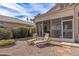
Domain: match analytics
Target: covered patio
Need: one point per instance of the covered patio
(61, 22)
(61, 28)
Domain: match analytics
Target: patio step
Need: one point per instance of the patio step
(65, 44)
(70, 44)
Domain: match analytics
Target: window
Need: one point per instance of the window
(56, 28)
(66, 4)
(78, 14)
(67, 29)
(62, 6)
(1, 26)
(78, 26)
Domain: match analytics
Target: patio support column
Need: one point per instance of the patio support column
(74, 28)
(61, 29)
(36, 28)
(42, 28)
(51, 28)
(39, 29)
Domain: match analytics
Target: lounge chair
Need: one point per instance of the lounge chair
(29, 42)
(40, 43)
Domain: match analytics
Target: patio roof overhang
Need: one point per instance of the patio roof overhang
(55, 12)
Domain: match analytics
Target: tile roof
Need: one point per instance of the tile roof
(14, 20)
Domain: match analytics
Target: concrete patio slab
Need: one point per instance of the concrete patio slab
(55, 49)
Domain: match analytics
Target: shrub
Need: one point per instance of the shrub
(6, 42)
(5, 33)
(20, 32)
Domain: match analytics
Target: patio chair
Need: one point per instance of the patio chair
(43, 41)
(29, 42)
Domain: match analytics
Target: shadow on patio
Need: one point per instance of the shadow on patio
(23, 39)
(49, 45)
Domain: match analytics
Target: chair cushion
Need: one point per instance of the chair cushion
(40, 41)
(31, 39)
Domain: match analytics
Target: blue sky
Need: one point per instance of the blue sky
(24, 10)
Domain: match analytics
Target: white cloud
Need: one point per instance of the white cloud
(6, 13)
(23, 11)
(39, 7)
(12, 6)
(15, 7)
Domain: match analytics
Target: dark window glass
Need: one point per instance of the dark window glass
(62, 6)
(67, 29)
(56, 28)
(78, 14)
(78, 26)
(66, 4)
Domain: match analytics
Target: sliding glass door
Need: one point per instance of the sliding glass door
(67, 29)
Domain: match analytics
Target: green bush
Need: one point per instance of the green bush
(21, 32)
(6, 42)
(5, 33)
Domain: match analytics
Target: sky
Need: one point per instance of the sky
(23, 11)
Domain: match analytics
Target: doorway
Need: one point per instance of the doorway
(67, 30)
